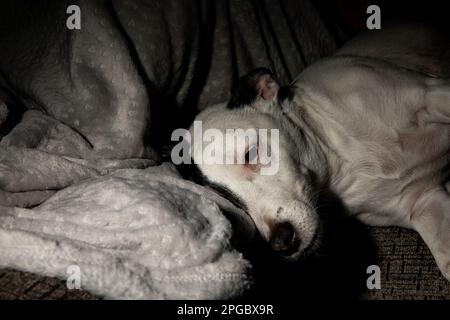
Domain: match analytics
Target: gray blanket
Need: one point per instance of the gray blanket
(80, 180)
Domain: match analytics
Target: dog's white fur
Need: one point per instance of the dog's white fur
(369, 124)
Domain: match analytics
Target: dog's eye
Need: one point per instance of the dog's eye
(251, 157)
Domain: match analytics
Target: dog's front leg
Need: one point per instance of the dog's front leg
(431, 218)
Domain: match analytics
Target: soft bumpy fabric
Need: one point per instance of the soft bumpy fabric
(133, 234)
(42, 155)
(99, 101)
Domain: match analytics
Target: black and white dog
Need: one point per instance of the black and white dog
(371, 124)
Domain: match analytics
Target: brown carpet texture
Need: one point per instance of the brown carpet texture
(408, 271)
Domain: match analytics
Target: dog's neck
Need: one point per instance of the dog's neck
(318, 156)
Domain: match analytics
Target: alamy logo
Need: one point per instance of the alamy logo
(73, 22)
(73, 281)
(374, 20)
(374, 280)
(258, 148)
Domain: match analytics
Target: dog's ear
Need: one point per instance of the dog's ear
(260, 83)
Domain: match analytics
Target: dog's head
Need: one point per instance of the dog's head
(250, 151)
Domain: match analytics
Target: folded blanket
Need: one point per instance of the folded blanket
(139, 234)
(42, 155)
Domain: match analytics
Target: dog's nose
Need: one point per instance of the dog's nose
(284, 239)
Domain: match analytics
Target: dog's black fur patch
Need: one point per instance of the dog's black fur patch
(244, 92)
(286, 92)
(193, 173)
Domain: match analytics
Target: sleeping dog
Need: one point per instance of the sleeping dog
(371, 124)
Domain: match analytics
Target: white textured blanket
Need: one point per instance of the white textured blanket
(133, 234)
